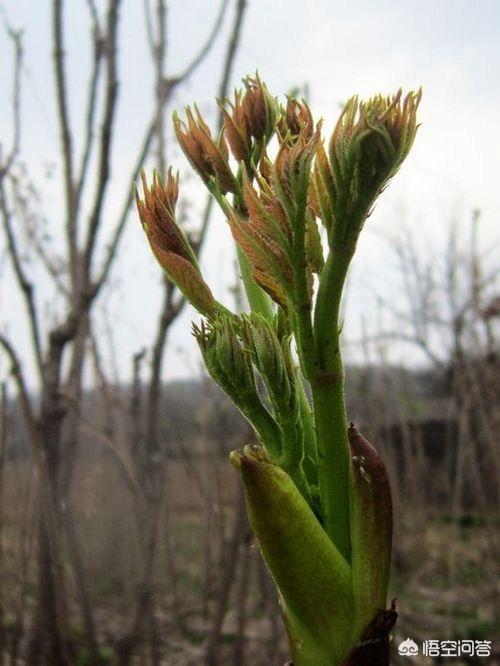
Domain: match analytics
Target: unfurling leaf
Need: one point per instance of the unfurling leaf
(313, 248)
(322, 188)
(189, 281)
(296, 120)
(317, 491)
(236, 127)
(270, 268)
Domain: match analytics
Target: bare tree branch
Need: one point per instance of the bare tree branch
(125, 209)
(122, 457)
(106, 132)
(403, 337)
(172, 306)
(22, 386)
(25, 284)
(168, 85)
(53, 264)
(97, 55)
(203, 52)
(16, 37)
(160, 53)
(65, 130)
(149, 26)
(223, 91)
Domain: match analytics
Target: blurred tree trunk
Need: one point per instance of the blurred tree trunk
(228, 575)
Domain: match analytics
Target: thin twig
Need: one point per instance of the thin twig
(106, 132)
(167, 88)
(223, 91)
(204, 51)
(25, 284)
(16, 37)
(65, 129)
(98, 52)
(22, 386)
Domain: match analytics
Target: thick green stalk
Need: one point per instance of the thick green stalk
(329, 404)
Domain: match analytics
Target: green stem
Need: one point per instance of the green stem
(257, 298)
(304, 334)
(329, 404)
(310, 453)
(264, 425)
(292, 455)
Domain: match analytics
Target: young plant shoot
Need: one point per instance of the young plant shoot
(318, 496)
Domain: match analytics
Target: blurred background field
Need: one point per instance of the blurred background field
(213, 600)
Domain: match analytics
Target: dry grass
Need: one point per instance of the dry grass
(445, 574)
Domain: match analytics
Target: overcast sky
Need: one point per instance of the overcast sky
(450, 47)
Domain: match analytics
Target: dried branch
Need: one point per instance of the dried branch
(204, 51)
(168, 85)
(172, 306)
(65, 130)
(159, 53)
(98, 52)
(398, 336)
(16, 37)
(125, 209)
(53, 265)
(223, 91)
(169, 312)
(24, 283)
(125, 463)
(149, 26)
(22, 386)
(107, 397)
(106, 132)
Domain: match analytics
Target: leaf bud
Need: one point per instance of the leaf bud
(209, 157)
(260, 109)
(169, 244)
